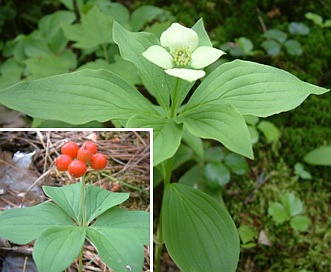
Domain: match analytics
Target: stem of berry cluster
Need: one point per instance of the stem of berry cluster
(83, 223)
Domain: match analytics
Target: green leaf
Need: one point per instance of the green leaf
(222, 123)
(298, 28)
(292, 204)
(11, 73)
(251, 119)
(293, 47)
(317, 19)
(252, 88)
(22, 225)
(269, 130)
(77, 98)
(193, 177)
(119, 237)
(272, 47)
(216, 175)
(57, 247)
(143, 15)
(118, 11)
(300, 223)
(167, 135)
(99, 200)
(40, 123)
(214, 154)
(194, 142)
(133, 222)
(246, 234)
(95, 29)
(319, 156)
(198, 232)
(301, 172)
(236, 163)
(183, 155)
(278, 212)
(199, 28)
(254, 134)
(120, 251)
(245, 44)
(40, 67)
(123, 68)
(327, 23)
(276, 35)
(131, 46)
(68, 198)
(50, 27)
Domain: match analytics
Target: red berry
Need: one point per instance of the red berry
(90, 145)
(70, 149)
(98, 161)
(77, 168)
(84, 154)
(62, 162)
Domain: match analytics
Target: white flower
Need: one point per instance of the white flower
(179, 52)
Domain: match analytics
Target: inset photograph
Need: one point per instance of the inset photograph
(75, 200)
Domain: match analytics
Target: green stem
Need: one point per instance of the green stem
(83, 223)
(158, 247)
(167, 172)
(83, 203)
(105, 51)
(174, 102)
(80, 260)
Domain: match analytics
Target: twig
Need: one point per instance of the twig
(34, 184)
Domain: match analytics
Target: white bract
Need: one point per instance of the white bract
(180, 54)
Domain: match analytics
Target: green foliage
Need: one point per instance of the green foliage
(118, 235)
(247, 235)
(211, 173)
(301, 172)
(318, 20)
(103, 94)
(248, 200)
(319, 156)
(189, 217)
(276, 39)
(241, 47)
(94, 29)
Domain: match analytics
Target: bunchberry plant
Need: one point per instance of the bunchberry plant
(79, 211)
(196, 229)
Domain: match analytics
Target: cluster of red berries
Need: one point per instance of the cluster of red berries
(74, 159)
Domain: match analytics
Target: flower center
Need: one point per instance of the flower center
(181, 57)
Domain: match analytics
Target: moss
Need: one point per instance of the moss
(248, 201)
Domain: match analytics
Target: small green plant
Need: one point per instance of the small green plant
(247, 236)
(277, 39)
(318, 20)
(80, 211)
(289, 209)
(241, 47)
(256, 126)
(301, 172)
(214, 171)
